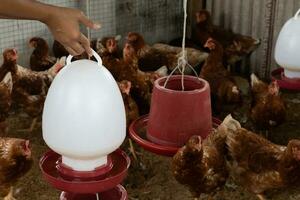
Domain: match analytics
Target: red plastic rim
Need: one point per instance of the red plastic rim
(284, 82)
(115, 176)
(199, 84)
(117, 193)
(137, 131)
(99, 172)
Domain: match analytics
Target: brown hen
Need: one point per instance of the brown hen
(149, 58)
(222, 85)
(108, 49)
(268, 107)
(257, 164)
(6, 85)
(202, 167)
(40, 60)
(131, 108)
(235, 45)
(129, 70)
(15, 161)
(29, 87)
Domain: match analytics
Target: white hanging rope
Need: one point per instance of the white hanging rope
(97, 195)
(182, 62)
(88, 15)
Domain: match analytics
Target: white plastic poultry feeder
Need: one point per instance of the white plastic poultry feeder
(288, 47)
(84, 116)
(84, 123)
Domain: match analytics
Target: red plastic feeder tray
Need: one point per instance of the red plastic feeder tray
(137, 132)
(283, 81)
(86, 187)
(117, 193)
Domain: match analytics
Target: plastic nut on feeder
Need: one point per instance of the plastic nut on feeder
(84, 124)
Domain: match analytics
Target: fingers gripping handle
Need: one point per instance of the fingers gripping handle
(98, 58)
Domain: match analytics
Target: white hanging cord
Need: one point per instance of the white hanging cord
(88, 15)
(97, 195)
(182, 62)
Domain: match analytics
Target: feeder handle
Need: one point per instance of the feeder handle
(297, 14)
(98, 58)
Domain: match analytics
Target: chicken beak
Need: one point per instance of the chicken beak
(257, 42)
(206, 45)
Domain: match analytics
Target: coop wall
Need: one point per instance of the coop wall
(259, 18)
(157, 20)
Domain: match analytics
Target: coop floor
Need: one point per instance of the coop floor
(150, 177)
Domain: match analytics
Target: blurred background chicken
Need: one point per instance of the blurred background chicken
(131, 108)
(40, 59)
(15, 161)
(236, 46)
(195, 57)
(201, 166)
(257, 164)
(223, 87)
(29, 87)
(107, 45)
(149, 58)
(6, 85)
(268, 108)
(108, 49)
(59, 50)
(129, 70)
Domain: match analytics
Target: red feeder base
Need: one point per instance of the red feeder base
(137, 132)
(117, 193)
(81, 185)
(283, 81)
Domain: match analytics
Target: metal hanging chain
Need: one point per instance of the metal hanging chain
(182, 62)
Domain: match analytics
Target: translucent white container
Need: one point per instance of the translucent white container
(287, 49)
(84, 115)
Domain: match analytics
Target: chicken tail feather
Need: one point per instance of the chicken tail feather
(7, 80)
(230, 123)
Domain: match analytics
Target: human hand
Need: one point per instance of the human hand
(64, 25)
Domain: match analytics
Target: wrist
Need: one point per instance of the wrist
(47, 13)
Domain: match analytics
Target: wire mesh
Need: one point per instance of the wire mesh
(157, 20)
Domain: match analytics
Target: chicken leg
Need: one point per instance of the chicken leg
(30, 129)
(10, 195)
(131, 149)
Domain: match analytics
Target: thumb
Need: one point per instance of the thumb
(87, 22)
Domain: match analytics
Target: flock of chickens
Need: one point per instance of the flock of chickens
(202, 165)
(231, 151)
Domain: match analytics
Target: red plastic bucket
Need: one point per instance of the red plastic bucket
(176, 115)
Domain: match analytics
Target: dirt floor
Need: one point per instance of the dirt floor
(150, 178)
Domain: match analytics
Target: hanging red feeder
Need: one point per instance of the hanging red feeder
(137, 132)
(176, 115)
